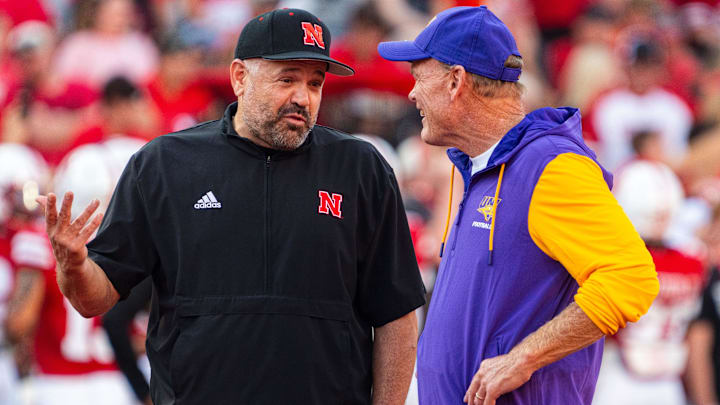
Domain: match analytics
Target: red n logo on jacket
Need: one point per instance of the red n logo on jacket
(313, 35)
(330, 204)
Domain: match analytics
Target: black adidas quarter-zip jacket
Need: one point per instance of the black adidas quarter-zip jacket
(269, 268)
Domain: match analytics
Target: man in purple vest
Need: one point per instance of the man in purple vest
(541, 262)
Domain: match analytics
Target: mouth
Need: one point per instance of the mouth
(296, 119)
(422, 113)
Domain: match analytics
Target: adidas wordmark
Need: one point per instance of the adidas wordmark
(208, 201)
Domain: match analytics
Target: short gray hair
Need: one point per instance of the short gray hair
(491, 88)
(252, 64)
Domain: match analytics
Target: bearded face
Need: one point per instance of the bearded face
(285, 128)
(280, 101)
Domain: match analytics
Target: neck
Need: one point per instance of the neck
(244, 132)
(486, 123)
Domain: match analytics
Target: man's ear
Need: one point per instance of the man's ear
(457, 81)
(238, 72)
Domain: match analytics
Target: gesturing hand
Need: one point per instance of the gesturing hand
(497, 376)
(68, 238)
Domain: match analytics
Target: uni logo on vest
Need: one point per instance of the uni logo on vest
(486, 209)
(330, 204)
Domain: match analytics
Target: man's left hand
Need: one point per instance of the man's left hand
(495, 377)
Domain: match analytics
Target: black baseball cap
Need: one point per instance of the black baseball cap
(288, 34)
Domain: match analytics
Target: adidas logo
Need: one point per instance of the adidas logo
(207, 201)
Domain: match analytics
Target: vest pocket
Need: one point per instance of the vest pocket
(261, 350)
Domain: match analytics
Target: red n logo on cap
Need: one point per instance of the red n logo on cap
(313, 35)
(330, 205)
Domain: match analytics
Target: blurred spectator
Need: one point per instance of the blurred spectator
(124, 111)
(709, 103)
(693, 218)
(703, 374)
(197, 19)
(406, 21)
(647, 145)
(590, 66)
(74, 361)
(702, 26)
(426, 186)
(147, 18)
(337, 14)
(644, 362)
(211, 26)
(177, 94)
(61, 13)
(554, 19)
(22, 172)
(40, 109)
(213, 23)
(375, 98)
(702, 159)
(700, 21)
(640, 105)
(106, 45)
(359, 48)
(518, 16)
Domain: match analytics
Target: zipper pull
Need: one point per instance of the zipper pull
(267, 161)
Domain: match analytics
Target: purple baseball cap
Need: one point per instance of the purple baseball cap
(472, 37)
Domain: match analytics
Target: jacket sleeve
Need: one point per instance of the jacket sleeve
(575, 219)
(389, 283)
(124, 248)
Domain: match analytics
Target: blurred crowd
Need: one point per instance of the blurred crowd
(85, 83)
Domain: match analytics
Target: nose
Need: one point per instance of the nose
(301, 96)
(411, 95)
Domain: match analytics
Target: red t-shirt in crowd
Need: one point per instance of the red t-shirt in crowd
(375, 73)
(73, 96)
(181, 110)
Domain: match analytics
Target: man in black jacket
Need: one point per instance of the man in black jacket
(281, 260)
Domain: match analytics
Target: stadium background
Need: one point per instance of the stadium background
(644, 73)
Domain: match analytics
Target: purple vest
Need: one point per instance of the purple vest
(479, 311)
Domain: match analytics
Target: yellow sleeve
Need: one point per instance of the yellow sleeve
(575, 219)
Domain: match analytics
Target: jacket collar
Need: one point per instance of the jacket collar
(558, 121)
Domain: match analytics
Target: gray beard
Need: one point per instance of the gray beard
(277, 133)
(279, 139)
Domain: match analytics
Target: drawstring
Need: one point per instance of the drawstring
(447, 221)
(492, 221)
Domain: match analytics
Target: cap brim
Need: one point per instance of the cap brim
(401, 51)
(334, 67)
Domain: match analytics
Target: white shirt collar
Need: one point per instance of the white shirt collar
(480, 161)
